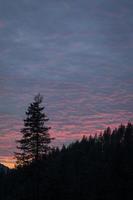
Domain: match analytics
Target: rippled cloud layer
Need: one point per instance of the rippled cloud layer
(77, 54)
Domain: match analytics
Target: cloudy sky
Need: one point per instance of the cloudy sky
(77, 53)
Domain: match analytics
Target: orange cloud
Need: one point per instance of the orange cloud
(7, 161)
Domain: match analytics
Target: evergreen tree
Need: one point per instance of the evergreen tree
(86, 169)
(35, 140)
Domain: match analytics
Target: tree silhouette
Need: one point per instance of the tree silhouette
(96, 168)
(35, 140)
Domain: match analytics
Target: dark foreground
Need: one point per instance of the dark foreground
(98, 168)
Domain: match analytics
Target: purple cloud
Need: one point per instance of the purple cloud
(77, 54)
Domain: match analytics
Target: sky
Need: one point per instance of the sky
(77, 54)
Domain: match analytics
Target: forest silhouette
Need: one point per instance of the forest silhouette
(95, 168)
(99, 167)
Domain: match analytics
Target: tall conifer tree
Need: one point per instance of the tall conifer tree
(35, 140)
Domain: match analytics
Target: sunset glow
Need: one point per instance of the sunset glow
(80, 60)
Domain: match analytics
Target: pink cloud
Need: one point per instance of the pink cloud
(2, 24)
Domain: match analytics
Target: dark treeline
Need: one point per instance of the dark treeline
(95, 168)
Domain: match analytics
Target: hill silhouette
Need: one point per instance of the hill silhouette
(95, 168)
(4, 169)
